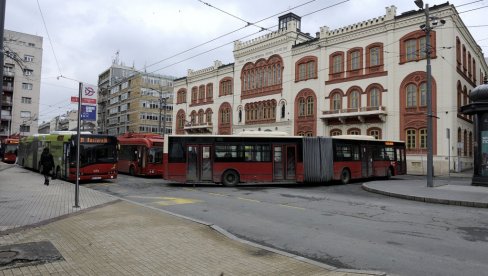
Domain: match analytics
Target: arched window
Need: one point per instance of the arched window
(336, 102)
(208, 115)
(335, 132)
(209, 91)
(375, 132)
(354, 131)
(374, 97)
(282, 110)
(423, 94)
(201, 93)
(354, 99)
(465, 144)
(194, 94)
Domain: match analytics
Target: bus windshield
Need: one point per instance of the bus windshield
(156, 155)
(11, 148)
(95, 153)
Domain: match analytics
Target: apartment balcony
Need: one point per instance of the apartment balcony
(198, 128)
(8, 88)
(8, 73)
(7, 103)
(6, 117)
(359, 115)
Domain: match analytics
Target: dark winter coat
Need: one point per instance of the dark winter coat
(47, 162)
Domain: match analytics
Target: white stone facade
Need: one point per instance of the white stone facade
(366, 78)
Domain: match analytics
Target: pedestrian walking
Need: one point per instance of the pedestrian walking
(47, 163)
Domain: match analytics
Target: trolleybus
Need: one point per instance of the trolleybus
(10, 148)
(98, 154)
(141, 154)
(278, 158)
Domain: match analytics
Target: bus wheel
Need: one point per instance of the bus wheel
(345, 176)
(132, 171)
(230, 178)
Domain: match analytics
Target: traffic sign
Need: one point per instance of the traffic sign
(83, 100)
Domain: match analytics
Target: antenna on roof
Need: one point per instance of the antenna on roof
(116, 58)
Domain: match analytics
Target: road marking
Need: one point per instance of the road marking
(248, 199)
(217, 194)
(167, 201)
(290, 206)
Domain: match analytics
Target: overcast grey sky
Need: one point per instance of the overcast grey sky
(86, 34)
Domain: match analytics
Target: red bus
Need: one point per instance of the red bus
(141, 154)
(274, 158)
(98, 154)
(10, 147)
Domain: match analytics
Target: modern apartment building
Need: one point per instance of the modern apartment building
(367, 78)
(138, 102)
(21, 83)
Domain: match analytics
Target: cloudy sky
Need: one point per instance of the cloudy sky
(166, 36)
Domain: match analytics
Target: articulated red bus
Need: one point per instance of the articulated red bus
(274, 158)
(141, 154)
(10, 148)
(98, 154)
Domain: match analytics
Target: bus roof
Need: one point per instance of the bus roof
(68, 132)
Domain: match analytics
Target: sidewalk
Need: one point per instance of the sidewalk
(456, 190)
(109, 236)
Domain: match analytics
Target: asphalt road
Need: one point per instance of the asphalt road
(340, 225)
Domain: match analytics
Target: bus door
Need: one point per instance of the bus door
(366, 162)
(66, 157)
(401, 166)
(284, 161)
(199, 163)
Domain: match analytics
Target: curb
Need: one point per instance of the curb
(277, 251)
(427, 199)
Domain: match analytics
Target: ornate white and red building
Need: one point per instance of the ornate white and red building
(367, 78)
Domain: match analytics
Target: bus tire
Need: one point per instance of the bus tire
(345, 176)
(132, 171)
(230, 178)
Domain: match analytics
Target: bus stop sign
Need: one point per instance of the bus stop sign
(89, 112)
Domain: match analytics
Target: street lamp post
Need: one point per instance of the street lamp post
(162, 101)
(427, 28)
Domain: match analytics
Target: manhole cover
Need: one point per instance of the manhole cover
(8, 254)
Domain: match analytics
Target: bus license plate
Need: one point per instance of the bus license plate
(96, 177)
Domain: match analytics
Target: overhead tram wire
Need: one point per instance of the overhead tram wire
(220, 46)
(228, 13)
(49, 37)
(221, 36)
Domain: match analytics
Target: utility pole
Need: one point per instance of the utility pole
(427, 28)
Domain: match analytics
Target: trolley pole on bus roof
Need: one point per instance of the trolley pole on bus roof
(77, 186)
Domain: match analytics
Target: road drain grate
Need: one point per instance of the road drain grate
(27, 254)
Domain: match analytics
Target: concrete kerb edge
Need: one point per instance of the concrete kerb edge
(277, 251)
(427, 199)
(47, 221)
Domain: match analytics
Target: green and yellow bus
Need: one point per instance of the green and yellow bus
(98, 154)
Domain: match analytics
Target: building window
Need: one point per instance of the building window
(375, 132)
(208, 114)
(354, 99)
(201, 93)
(200, 116)
(28, 58)
(374, 97)
(354, 131)
(335, 132)
(355, 60)
(423, 94)
(25, 114)
(209, 91)
(24, 128)
(423, 138)
(301, 107)
(283, 108)
(225, 87)
(411, 95)
(336, 102)
(26, 86)
(194, 94)
(374, 56)
(306, 68)
(310, 107)
(413, 46)
(260, 112)
(28, 72)
(411, 136)
(26, 100)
